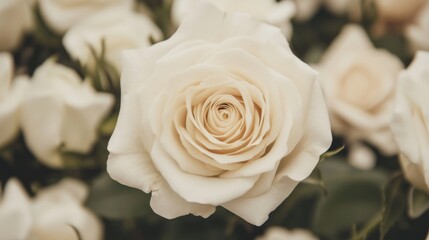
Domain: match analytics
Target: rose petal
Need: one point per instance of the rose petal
(194, 188)
(166, 203)
(266, 202)
(135, 170)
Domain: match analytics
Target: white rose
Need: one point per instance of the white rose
(359, 82)
(410, 121)
(279, 233)
(15, 19)
(61, 111)
(51, 215)
(220, 114)
(120, 29)
(417, 33)
(398, 10)
(11, 93)
(61, 15)
(270, 11)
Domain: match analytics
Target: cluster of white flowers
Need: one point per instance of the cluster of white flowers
(220, 114)
(54, 109)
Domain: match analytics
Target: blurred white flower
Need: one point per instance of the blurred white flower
(398, 10)
(11, 94)
(120, 29)
(15, 19)
(61, 111)
(410, 122)
(280, 233)
(305, 9)
(359, 82)
(61, 15)
(417, 32)
(270, 11)
(361, 157)
(350, 8)
(55, 213)
(221, 114)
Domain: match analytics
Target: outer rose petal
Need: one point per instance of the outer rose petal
(41, 118)
(134, 170)
(169, 204)
(15, 212)
(266, 202)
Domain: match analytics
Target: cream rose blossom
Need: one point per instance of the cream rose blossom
(417, 32)
(220, 114)
(270, 11)
(61, 111)
(51, 215)
(359, 82)
(279, 233)
(120, 30)
(61, 15)
(15, 19)
(410, 121)
(11, 93)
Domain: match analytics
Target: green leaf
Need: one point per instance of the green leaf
(353, 198)
(394, 203)
(112, 200)
(418, 202)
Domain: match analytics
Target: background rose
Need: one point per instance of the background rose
(119, 29)
(52, 214)
(15, 19)
(227, 117)
(359, 82)
(279, 233)
(410, 119)
(61, 111)
(270, 11)
(60, 15)
(11, 94)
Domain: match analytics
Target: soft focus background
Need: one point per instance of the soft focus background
(358, 193)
